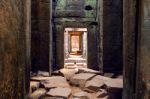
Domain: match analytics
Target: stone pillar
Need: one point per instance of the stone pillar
(143, 63)
(129, 48)
(51, 38)
(66, 44)
(14, 48)
(100, 34)
(85, 44)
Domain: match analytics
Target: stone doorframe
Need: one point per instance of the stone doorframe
(66, 40)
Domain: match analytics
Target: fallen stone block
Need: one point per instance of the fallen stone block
(38, 93)
(114, 88)
(55, 81)
(81, 79)
(94, 84)
(60, 92)
(114, 83)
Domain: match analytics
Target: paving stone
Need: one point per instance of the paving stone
(60, 92)
(80, 79)
(55, 81)
(34, 85)
(94, 84)
(38, 93)
(81, 95)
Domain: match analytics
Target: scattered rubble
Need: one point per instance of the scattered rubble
(81, 84)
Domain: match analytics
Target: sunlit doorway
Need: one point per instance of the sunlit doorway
(75, 48)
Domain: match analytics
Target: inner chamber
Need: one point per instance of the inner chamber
(75, 48)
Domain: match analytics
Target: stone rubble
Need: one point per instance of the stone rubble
(71, 84)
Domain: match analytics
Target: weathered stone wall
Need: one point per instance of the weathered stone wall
(40, 34)
(14, 48)
(136, 49)
(112, 31)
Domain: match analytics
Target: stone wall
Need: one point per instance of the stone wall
(14, 48)
(40, 34)
(112, 31)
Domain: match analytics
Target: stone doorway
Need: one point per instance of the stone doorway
(75, 47)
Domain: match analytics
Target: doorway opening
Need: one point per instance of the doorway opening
(75, 48)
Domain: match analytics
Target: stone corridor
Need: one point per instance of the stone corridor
(75, 84)
(35, 40)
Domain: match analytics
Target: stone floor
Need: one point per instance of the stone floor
(75, 84)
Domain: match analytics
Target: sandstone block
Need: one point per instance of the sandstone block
(81, 79)
(94, 84)
(60, 92)
(81, 95)
(38, 93)
(55, 81)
